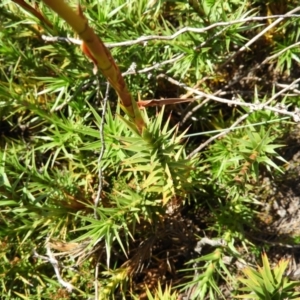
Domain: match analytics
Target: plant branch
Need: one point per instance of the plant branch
(206, 241)
(95, 50)
(144, 39)
(249, 43)
(155, 66)
(101, 131)
(55, 264)
(255, 106)
(223, 133)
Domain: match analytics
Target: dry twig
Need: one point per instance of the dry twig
(144, 39)
(253, 106)
(101, 131)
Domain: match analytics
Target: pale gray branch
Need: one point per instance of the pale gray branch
(101, 131)
(246, 46)
(55, 264)
(144, 39)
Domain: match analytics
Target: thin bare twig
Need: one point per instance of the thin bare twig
(206, 241)
(101, 131)
(273, 243)
(255, 106)
(161, 102)
(223, 133)
(190, 112)
(173, 59)
(155, 66)
(280, 52)
(96, 281)
(288, 87)
(55, 264)
(259, 35)
(252, 106)
(55, 39)
(259, 65)
(144, 39)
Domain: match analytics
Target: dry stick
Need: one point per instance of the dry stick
(55, 264)
(223, 133)
(280, 52)
(134, 71)
(295, 91)
(259, 35)
(158, 65)
(188, 111)
(219, 92)
(154, 37)
(258, 106)
(256, 67)
(144, 39)
(166, 101)
(191, 111)
(172, 60)
(178, 57)
(183, 30)
(96, 281)
(188, 115)
(269, 59)
(206, 241)
(242, 76)
(237, 122)
(287, 87)
(63, 39)
(148, 38)
(101, 131)
(295, 115)
(155, 66)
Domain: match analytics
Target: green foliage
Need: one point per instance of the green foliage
(204, 282)
(156, 198)
(245, 150)
(163, 295)
(267, 283)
